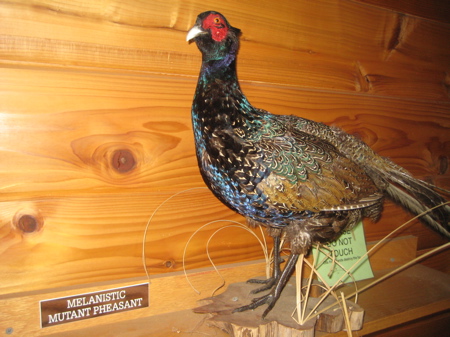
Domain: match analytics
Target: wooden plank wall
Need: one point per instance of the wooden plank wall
(96, 134)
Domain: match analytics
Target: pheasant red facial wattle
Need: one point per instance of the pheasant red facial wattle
(293, 175)
(217, 25)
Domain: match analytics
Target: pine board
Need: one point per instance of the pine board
(112, 232)
(78, 120)
(167, 294)
(436, 10)
(349, 47)
(83, 80)
(388, 304)
(70, 125)
(405, 297)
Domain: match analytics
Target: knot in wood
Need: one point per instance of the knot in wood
(169, 264)
(123, 161)
(27, 223)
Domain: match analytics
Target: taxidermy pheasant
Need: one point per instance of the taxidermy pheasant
(290, 174)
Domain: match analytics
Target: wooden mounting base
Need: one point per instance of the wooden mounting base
(279, 322)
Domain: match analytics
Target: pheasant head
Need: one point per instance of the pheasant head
(217, 40)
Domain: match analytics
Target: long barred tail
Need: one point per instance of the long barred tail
(418, 197)
(413, 194)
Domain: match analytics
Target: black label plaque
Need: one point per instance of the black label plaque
(78, 307)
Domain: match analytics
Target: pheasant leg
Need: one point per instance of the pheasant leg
(272, 297)
(276, 270)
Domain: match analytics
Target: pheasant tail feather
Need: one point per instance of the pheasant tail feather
(420, 198)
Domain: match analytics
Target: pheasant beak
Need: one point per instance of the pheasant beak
(194, 32)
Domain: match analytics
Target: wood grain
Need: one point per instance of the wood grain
(432, 9)
(348, 47)
(391, 302)
(169, 293)
(77, 122)
(72, 185)
(83, 82)
(95, 238)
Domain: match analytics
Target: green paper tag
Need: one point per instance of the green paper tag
(348, 249)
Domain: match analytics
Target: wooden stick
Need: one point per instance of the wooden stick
(346, 317)
(298, 279)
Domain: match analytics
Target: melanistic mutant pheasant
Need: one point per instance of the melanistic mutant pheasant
(293, 175)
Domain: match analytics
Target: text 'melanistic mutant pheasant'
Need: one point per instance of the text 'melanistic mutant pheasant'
(295, 176)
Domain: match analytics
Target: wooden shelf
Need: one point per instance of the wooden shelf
(416, 300)
(416, 293)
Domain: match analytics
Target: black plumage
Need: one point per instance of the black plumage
(291, 174)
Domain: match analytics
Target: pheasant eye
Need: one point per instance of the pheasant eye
(216, 20)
